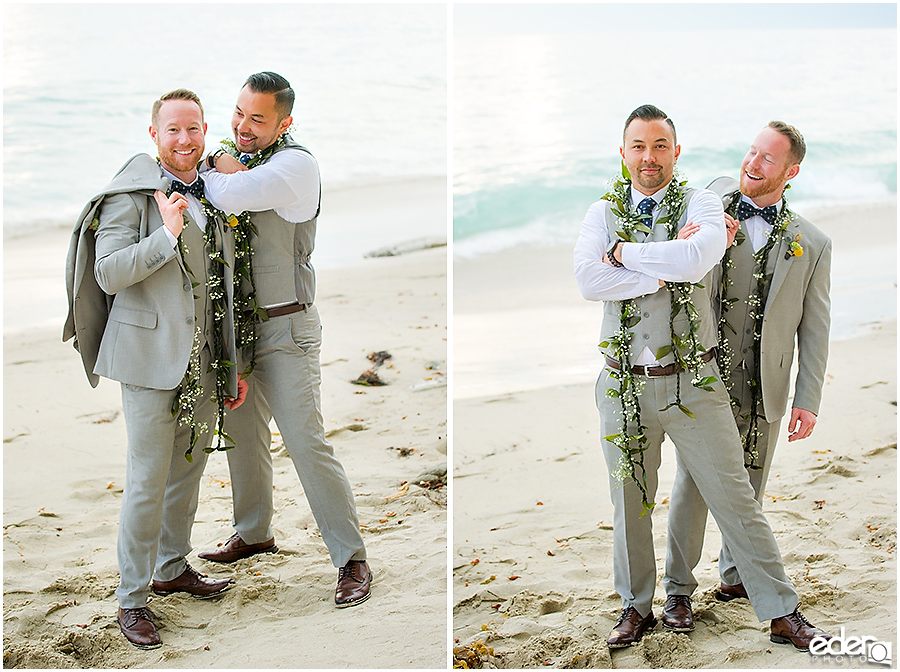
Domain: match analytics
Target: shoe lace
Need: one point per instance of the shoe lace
(800, 617)
(626, 612)
(346, 571)
(132, 615)
(679, 599)
(193, 572)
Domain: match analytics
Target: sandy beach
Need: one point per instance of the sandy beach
(532, 523)
(63, 473)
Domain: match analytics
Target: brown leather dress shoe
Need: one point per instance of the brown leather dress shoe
(630, 628)
(795, 629)
(138, 629)
(728, 593)
(678, 615)
(194, 583)
(235, 549)
(353, 586)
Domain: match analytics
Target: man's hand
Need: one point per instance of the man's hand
(243, 387)
(687, 231)
(731, 225)
(227, 164)
(171, 209)
(801, 424)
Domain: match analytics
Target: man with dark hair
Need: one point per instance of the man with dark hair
(136, 257)
(645, 250)
(270, 82)
(781, 262)
(280, 193)
(649, 113)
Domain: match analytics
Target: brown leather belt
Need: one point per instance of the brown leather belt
(288, 309)
(658, 371)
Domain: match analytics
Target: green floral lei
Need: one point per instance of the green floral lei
(686, 347)
(756, 302)
(247, 311)
(190, 389)
(259, 157)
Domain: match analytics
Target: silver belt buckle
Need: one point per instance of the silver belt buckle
(646, 371)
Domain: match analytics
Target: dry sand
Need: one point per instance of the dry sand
(532, 520)
(64, 456)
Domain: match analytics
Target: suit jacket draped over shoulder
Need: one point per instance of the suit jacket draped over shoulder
(130, 298)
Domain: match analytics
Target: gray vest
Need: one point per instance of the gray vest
(197, 259)
(742, 285)
(653, 329)
(282, 270)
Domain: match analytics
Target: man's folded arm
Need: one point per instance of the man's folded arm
(684, 260)
(289, 179)
(596, 280)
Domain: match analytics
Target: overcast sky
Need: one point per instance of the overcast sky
(473, 20)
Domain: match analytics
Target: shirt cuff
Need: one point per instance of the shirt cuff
(172, 239)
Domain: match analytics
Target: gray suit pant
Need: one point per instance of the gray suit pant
(286, 383)
(709, 450)
(687, 512)
(159, 500)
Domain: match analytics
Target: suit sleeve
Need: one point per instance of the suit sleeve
(123, 258)
(812, 335)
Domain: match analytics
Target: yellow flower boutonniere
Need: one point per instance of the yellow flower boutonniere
(794, 249)
(231, 220)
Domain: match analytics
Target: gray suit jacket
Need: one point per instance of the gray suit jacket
(798, 309)
(131, 306)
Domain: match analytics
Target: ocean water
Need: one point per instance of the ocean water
(537, 119)
(79, 81)
(537, 125)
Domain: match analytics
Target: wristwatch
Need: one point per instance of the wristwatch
(611, 253)
(211, 159)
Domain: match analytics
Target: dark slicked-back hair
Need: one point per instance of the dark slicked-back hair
(650, 113)
(798, 144)
(270, 82)
(177, 94)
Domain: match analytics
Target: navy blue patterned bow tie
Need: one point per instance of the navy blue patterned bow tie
(645, 208)
(196, 188)
(746, 211)
(245, 158)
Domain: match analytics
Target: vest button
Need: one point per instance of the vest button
(749, 331)
(189, 320)
(646, 337)
(646, 314)
(187, 287)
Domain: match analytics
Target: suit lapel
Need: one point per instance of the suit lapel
(188, 221)
(782, 265)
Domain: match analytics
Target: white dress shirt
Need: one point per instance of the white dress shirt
(648, 263)
(757, 228)
(195, 208)
(288, 183)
